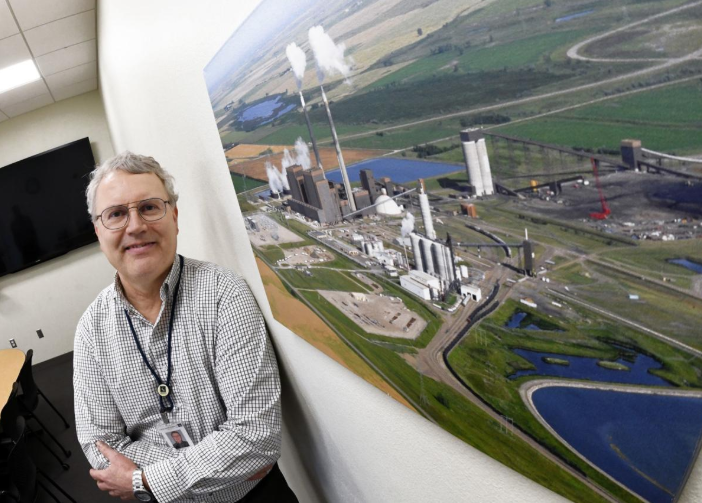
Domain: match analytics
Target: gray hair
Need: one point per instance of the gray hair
(131, 163)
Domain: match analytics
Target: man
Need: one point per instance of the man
(172, 344)
(178, 442)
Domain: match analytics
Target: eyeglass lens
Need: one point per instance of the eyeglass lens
(116, 217)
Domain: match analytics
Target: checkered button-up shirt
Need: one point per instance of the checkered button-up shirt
(225, 385)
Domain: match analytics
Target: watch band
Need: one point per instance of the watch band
(140, 492)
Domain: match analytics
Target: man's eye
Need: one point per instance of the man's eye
(114, 214)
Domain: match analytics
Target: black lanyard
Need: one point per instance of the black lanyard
(163, 389)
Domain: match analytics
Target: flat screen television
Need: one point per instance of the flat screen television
(42, 206)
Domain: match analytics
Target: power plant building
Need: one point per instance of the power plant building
(368, 183)
(312, 196)
(477, 162)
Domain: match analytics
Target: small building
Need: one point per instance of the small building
(472, 291)
(415, 287)
(469, 209)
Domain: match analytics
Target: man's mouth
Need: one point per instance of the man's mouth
(137, 246)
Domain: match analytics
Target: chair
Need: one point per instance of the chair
(29, 399)
(17, 470)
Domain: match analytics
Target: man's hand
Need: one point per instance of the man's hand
(116, 479)
(261, 473)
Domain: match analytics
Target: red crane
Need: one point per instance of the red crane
(605, 207)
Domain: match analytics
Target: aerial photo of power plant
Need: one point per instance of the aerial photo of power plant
(491, 210)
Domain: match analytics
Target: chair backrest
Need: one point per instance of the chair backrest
(30, 391)
(10, 413)
(21, 471)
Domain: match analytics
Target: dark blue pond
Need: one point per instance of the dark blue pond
(265, 110)
(646, 442)
(688, 264)
(574, 16)
(398, 170)
(587, 368)
(516, 320)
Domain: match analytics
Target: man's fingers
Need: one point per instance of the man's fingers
(96, 475)
(105, 450)
(261, 473)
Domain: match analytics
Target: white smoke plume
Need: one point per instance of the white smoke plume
(287, 160)
(303, 153)
(273, 179)
(283, 178)
(298, 62)
(407, 224)
(328, 55)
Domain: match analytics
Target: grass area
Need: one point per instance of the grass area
(244, 205)
(406, 136)
(244, 183)
(555, 361)
(658, 308)
(272, 253)
(286, 135)
(485, 360)
(514, 54)
(443, 94)
(613, 366)
(650, 259)
(573, 274)
(681, 104)
(321, 279)
(456, 414)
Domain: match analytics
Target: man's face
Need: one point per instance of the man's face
(141, 251)
(176, 437)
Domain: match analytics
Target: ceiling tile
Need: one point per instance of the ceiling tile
(13, 50)
(69, 57)
(28, 106)
(72, 76)
(23, 93)
(61, 34)
(7, 22)
(3, 117)
(32, 13)
(75, 89)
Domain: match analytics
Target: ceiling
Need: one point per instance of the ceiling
(60, 36)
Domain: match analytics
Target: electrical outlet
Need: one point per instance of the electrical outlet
(40, 334)
(13, 343)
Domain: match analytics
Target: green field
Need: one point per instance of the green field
(650, 259)
(244, 183)
(514, 54)
(658, 308)
(286, 135)
(321, 279)
(454, 413)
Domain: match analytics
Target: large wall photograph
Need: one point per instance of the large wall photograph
(491, 210)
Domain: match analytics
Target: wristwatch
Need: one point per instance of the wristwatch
(140, 492)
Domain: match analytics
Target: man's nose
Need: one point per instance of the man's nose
(135, 222)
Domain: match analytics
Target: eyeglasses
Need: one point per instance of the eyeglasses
(117, 217)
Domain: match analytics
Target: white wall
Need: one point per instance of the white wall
(52, 296)
(345, 440)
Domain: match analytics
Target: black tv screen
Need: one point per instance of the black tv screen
(42, 206)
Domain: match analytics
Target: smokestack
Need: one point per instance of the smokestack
(485, 172)
(309, 128)
(470, 153)
(342, 166)
(426, 211)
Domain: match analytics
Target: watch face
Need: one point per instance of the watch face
(143, 496)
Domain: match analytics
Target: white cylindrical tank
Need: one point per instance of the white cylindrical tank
(418, 265)
(428, 259)
(439, 260)
(451, 276)
(426, 216)
(485, 173)
(470, 153)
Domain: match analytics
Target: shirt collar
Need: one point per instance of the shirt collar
(166, 288)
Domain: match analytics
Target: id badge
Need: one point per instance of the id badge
(175, 435)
